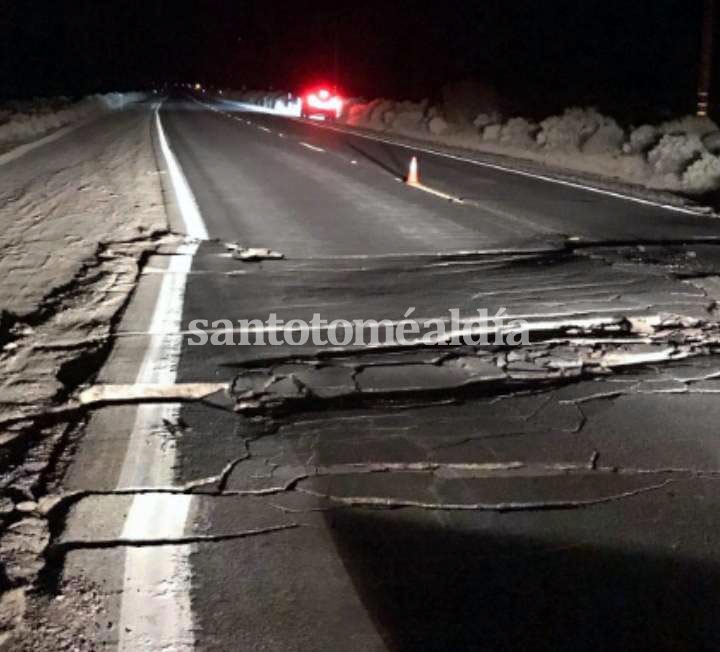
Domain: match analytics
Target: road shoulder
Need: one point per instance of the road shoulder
(79, 222)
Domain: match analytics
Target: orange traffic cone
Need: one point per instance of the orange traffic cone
(413, 178)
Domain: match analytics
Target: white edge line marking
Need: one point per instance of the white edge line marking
(155, 609)
(265, 129)
(188, 206)
(312, 147)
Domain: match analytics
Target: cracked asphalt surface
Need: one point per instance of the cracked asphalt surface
(543, 497)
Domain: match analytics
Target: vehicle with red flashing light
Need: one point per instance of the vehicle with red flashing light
(321, 103)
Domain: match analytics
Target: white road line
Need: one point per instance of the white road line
(264, 129)
(188, 206)
(155, 611)
(436, 193)
(312, 147)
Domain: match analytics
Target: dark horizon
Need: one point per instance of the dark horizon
(540, 56)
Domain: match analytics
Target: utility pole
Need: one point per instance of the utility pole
(706, 58)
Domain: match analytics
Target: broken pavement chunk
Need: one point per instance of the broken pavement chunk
(323, 381)
(254, 254)
(286, 387)
(140, 392)
(251, 382)
(640, 354)
(479, 368)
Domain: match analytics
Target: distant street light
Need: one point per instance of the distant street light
(706, 57)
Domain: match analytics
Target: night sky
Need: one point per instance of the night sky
(540, 55)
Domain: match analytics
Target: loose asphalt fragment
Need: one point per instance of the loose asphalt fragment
(253, 254)
(148, 393)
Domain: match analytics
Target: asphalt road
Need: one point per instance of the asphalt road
(261, 182)
(434, 498)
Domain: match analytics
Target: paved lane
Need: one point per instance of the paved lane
(361, 245)
(257, 187)
(545, 497)
(540, 205)
(437, 578)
